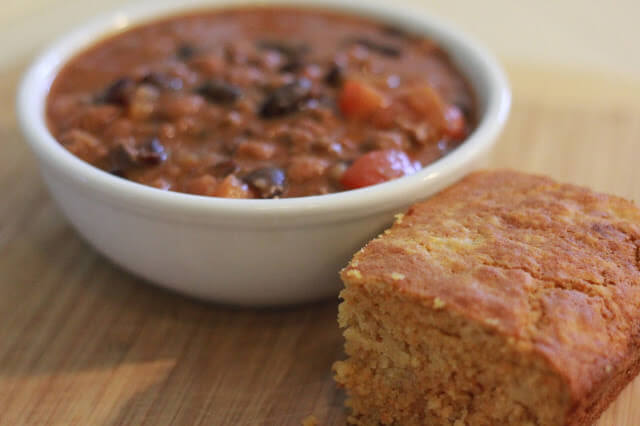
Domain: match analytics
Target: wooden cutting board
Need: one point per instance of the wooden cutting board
(83, 343)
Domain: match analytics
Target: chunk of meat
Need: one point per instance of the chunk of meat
(232, 187)
(306, 167)
(256, 149)
(83, 145)
(202, 185)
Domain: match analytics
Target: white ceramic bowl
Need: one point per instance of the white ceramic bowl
(248, 252)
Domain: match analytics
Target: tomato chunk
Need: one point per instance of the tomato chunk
(427, 103)
(377, 167)
(359, 100)
(447, 118)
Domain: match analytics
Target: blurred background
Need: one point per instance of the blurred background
(595, 34)
(589, 48)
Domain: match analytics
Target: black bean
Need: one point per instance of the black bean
(121, 159)
(393, 31)
(292, 66)
(224, 168)
(292, 52)
(334, 76)
(124, 157)
(269, 182)
(286, 99)
(151, 154)
(219, 92)
(185, 52)
(118, 92)
(161, 81)
(286, 48)
(378, 47)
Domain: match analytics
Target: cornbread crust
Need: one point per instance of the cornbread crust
(546, 274)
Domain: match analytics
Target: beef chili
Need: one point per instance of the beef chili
(261, 103)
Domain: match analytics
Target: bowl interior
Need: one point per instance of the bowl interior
(477, 65)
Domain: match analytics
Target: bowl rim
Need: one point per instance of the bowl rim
(34, 88)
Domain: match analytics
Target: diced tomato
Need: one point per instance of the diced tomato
(359, 100)
(427, 103)
(377, 167)
(447, 118)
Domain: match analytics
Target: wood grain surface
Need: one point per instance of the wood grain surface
(83, 343)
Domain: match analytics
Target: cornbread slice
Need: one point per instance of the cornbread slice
(508, 299)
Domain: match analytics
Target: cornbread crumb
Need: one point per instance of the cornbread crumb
(438, 303)
(519, 304)
(310, 421)
(396, 276)
(354, 273)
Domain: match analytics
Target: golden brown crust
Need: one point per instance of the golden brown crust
(552, 266)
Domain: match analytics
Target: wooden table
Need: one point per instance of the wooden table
(84, 343)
